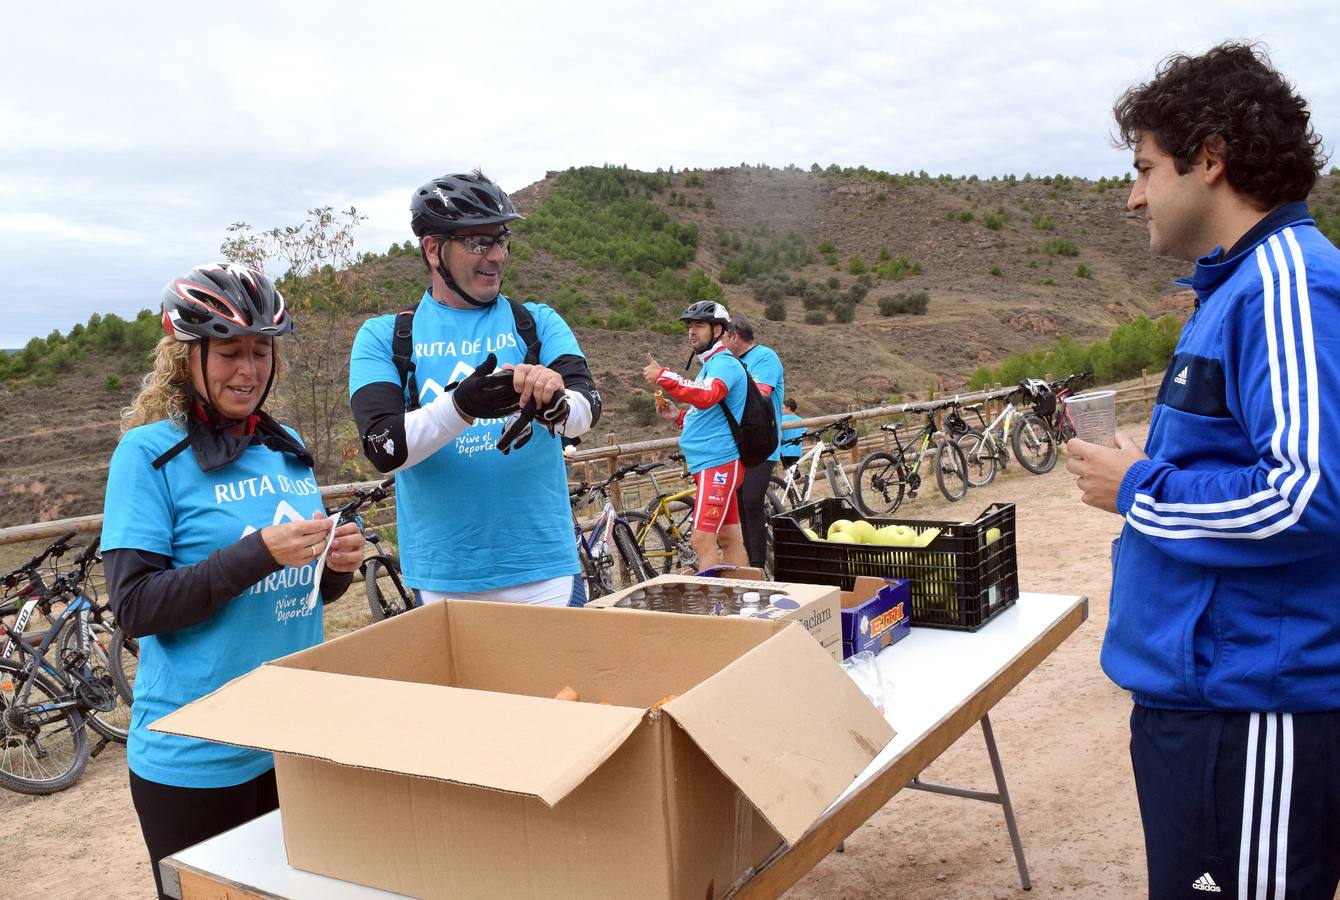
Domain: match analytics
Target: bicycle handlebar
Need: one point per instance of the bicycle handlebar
(57, 548)
(362, 498)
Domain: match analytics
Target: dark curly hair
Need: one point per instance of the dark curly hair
(1232, 96)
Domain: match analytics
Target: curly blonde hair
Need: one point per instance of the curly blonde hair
(163, 392)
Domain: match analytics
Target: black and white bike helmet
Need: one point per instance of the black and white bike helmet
(223, 300)
(451, 202)
(706, 311)
(845, 437)
(1040, 392)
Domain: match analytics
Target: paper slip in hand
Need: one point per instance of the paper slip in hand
(321, 566)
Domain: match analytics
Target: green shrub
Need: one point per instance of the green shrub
(1082, 271)
(1060, 247)
(1044, 223)
(674, 328)
(897, 269)
(884, 254)
(965, 217)
(816, 317)
(826, 247)
(993, 221)
(761, 253)
(834, 282)
(775, 310)
(112, 383)
(904, 304)
(995, 270)
(856, 266)
(1048, 282)
(866, 280)
(844, 312)
(643, 409)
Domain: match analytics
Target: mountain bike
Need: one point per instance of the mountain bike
(610, 557)
(387, 594)
(49, 692)
(664, 528)
(1056, 414)
(795, 486)
(882, 478)
(988, 450)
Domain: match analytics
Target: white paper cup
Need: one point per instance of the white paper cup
(1094, 416)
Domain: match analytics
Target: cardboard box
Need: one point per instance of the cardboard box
(425, 754)
(815, 605)
(875, 614)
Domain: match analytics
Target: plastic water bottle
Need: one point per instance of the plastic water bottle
(750, 604)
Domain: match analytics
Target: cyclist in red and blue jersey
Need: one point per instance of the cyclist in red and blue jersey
(1224, 621)
(707, 442)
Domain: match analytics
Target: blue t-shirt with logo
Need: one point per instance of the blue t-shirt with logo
(789, 433)
(185, 514)
(766, 367)
(707, 440)
(470, 518)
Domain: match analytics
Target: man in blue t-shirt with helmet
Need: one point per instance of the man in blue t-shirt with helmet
(710, 452)
(766, 367)
(440, 389)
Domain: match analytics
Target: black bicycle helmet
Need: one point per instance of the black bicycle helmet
(451, 202)
(844, 437)
(706, 311)
(223, 300)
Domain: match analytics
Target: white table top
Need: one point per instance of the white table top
(933, 672)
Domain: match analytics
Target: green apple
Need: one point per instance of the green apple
(810, 533)
(839, 525)
(992, 535)
(885, 536)
(926, 537)
(841, 537)
(862, 530)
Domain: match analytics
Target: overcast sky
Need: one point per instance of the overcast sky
(133, 133)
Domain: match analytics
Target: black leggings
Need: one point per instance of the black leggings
(754, 513)
(174, 818)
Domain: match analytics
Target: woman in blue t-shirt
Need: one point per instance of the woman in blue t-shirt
(213, 526)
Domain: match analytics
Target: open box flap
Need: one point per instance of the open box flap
(787, 726)
(505, 742)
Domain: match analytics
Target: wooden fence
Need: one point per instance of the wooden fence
(595, 463)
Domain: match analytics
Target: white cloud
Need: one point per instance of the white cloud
(135, 133)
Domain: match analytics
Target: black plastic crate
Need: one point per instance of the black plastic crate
(959, 581)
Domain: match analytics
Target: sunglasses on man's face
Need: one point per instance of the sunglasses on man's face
(479, 244)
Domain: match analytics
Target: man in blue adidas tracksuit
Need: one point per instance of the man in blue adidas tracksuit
(1225, 609)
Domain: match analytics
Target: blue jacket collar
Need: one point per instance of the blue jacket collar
(1213, 268)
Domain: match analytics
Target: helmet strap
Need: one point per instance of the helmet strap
(205, 404)
(440, 267)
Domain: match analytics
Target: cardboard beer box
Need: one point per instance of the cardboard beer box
(876, 613)
(814, 606)
(426, 754)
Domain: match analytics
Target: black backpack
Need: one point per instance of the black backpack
(756, 432)
(402, 347)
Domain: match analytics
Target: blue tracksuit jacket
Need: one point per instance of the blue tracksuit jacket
(1226, 589)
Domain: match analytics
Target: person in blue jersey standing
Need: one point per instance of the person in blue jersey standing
(482, 508)
(792, 438)
(213, 527)
(1225, 608)
(710, 452)
(766, 367)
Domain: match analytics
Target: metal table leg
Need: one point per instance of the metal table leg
(1002, 797)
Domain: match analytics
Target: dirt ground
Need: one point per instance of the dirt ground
(1062, 736)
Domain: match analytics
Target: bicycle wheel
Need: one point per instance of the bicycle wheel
(1034, 444)
(982, 464)
(879, 484)
(838, 482)
(951, 471)
(680, 530)
(124, 659)
(40, 753)
(630, 568)
(387, 596)
(113, 724)
(787, 499)
(657, 548)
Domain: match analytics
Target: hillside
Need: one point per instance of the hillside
(1006, 265)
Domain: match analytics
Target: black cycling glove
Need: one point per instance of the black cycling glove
(554, 413)
(517, 429)
(485, 395)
